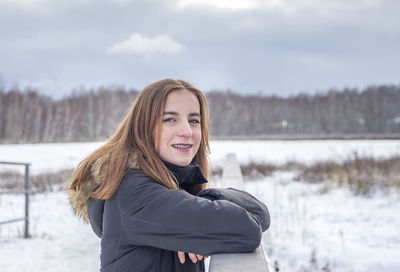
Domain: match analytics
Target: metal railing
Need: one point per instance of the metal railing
(254, 261)
(26, 191)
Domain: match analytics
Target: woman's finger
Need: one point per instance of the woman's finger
(193, 257)
(199, 257)
(181, 256)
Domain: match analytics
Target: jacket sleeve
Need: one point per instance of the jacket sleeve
(152, 215)
(243, 199)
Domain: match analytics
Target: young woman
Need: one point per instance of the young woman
(144, 194)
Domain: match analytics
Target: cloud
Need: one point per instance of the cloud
(278, 46)
(229, 4)
(29, 3)
(232, 4)
(147, 46)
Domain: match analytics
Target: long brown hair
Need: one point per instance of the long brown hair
(137, 134)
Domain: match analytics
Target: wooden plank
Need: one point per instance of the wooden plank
(254, 261)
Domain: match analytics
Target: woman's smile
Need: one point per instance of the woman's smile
(182, 147)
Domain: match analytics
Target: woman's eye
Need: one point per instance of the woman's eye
(194, 121)
(169, 120)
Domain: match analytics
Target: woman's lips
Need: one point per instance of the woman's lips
(182, 147)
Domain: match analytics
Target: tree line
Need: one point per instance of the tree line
(91, 114)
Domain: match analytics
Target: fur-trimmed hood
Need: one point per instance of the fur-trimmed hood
(79, 200)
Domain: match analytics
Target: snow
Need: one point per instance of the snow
(47, 157)
(347, 233)
(60, 242)
(55, 156)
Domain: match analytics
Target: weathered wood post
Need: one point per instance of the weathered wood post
(254, 261)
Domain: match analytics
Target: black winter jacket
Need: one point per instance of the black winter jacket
(144, 224)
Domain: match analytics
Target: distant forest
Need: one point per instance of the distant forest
(27, 116)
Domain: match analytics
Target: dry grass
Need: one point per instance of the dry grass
(10, 180)
(251, 170)
(363, 175)
(45, 182)
(256, 169)
(317, 172)
(52, 181)
(216, 171)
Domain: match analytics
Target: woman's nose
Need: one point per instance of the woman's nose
(185, 130)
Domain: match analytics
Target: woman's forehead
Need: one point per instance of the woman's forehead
(182, 101)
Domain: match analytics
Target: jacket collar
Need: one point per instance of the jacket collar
(186, 175)
(79, 200)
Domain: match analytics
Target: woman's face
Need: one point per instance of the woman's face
(180, 132)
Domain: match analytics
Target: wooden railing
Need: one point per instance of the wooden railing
(254, 261)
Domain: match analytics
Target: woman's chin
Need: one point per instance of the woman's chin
(182, 162)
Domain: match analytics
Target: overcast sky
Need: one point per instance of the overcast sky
(278, 47)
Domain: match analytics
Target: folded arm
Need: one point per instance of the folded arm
(153, 215)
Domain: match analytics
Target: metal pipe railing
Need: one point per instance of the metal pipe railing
(26, 191)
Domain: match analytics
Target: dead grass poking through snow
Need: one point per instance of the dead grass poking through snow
(45, 182)
(363, 175)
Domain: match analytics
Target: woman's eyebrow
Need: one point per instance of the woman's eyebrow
(175, 113)
(170, 113)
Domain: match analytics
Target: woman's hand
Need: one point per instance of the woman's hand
(192, 256)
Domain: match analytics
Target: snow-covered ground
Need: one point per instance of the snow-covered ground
(49, 157)
(60, 242)
(346, 233)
